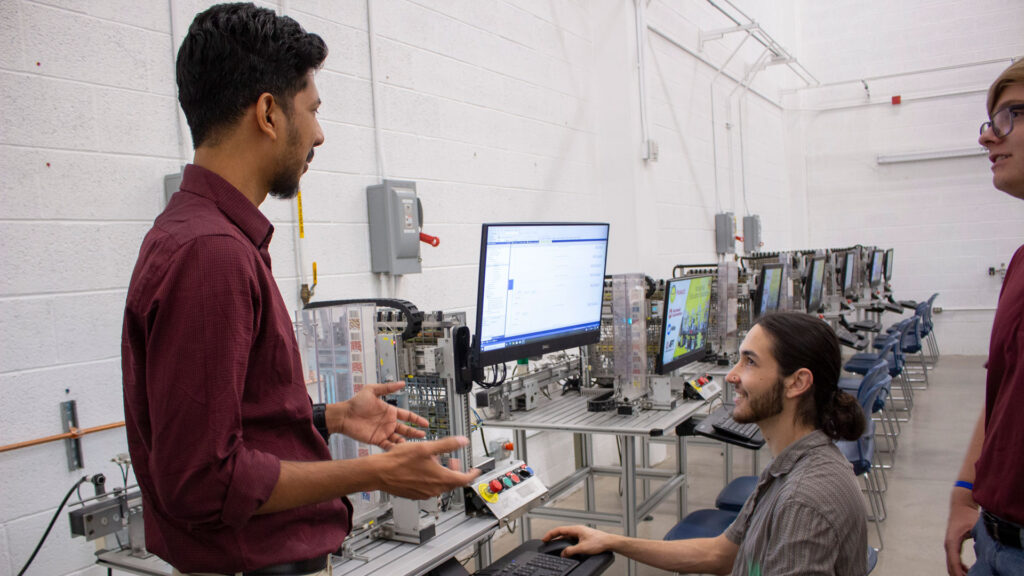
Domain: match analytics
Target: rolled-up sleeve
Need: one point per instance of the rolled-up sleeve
(201, 326)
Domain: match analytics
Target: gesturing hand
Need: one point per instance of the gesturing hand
(413, 471)
(367, 418)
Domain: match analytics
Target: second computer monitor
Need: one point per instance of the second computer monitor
(815, 284)
(888, 264)
(769, 289)
(684, 332)
(849, 270)
(875, 278)
(540, 288)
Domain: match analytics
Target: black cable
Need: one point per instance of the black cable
(52, 521)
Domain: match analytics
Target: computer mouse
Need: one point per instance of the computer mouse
(555, 547)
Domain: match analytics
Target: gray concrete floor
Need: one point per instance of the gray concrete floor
(931, 449)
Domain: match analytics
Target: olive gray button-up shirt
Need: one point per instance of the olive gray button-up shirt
(806, 516)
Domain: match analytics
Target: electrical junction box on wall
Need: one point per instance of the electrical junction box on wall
(394, 214)
(751, 233)
(172, 182)
(725, 233)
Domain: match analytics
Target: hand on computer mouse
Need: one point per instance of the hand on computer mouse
(580, 540)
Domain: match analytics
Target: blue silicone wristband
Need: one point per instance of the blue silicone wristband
(964, 484)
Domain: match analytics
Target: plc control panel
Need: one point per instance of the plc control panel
(507, 492)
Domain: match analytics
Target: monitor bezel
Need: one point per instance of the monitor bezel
(814, 261)
(759, 294)
(662, 368)
(534, 348)
(875, 282)
(887, 264)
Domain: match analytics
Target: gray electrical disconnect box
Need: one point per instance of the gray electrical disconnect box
(725, 235)
(394, 213)
(751, 233)
(172, 182)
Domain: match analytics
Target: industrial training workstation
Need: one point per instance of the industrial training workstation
(555, 222)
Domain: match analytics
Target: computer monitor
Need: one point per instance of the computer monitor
(875, 277)
(814, 284)
(539, 290)
(769, 289)
(684, 332)
(888, 264)
(849, 272)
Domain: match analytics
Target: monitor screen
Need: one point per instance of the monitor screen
(848, 272)
(684, 332)
(815, 284)
(769, 289)
(539, 290)
(888, 264)
(875, 278)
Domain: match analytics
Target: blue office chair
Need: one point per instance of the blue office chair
(706, 523)
(891, 351)
(860, 453)
(928, 329)
(913, 346)
(735, 494)
(861, 387)
(872, 558)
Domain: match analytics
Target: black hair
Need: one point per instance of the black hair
(803, 341)
(232, 54)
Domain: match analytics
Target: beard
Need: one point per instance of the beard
(762, 406)
(285, 183)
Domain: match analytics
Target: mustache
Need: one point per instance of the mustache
(309, 157)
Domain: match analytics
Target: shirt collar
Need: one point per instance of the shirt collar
(785, 461)
(231, 202)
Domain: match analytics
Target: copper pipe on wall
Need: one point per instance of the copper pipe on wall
(73, 434)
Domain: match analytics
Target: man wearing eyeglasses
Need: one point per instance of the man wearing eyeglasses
(992, 475)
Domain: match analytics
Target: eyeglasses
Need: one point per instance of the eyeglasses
(1002, 123)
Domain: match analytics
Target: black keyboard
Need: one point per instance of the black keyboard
(717, 426)
(849, 339)
(730, 427)
(530, 563)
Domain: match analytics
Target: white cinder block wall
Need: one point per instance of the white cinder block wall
(498, 109)
(943, 217)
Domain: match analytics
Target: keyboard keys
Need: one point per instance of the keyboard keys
(733, 428)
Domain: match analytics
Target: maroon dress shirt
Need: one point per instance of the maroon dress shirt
(999, 471)
(214, 396)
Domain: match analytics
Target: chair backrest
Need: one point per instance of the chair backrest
(926, 328)
(871, 378)
(903, 338)
(892, 347)
(871, 385)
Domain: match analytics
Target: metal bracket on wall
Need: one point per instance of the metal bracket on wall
(69, 419)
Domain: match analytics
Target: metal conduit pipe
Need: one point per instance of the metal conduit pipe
(664, 36)
(767, 41)
(641, 26)
(949, 68)
(714, 139)
(754, 71)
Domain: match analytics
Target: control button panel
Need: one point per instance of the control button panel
(506, 492)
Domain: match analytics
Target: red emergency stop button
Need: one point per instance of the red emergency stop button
(495, 486)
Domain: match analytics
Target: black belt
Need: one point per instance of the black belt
(291, 568)
(1006, 533)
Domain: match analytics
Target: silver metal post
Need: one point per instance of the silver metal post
(629, 493)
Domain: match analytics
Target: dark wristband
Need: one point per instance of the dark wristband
(964, 484)
(320, 420)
